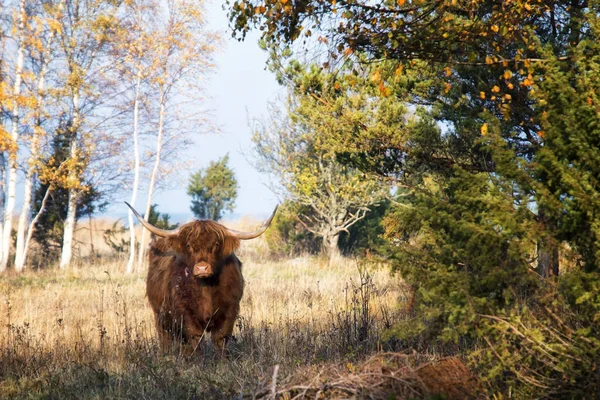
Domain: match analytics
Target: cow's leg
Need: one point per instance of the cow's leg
(222, 330)
(194, 333)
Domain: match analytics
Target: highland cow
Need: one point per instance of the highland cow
(195, 281)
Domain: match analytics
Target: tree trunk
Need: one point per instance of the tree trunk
(548, 264)
(136, 173)
(161, 120)
(69, 230)
(11, 191)
(547, 248)
(2, 198)
(33, 224)
(28, 195)
(23, 220)
(73, 179)
(330, 244)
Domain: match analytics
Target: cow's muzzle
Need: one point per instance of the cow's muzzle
(202, 270)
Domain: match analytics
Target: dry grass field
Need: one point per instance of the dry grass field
(88, 333)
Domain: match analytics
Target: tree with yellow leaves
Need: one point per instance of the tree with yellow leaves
(181, 57)
(295, 147)
(134, 51)
(40, 47)
(84, 30)
(11, 141)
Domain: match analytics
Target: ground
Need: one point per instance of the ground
(305, 324)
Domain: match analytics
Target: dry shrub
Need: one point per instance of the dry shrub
(448, 377)
(383, 376)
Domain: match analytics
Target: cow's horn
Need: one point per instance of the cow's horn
(256, 233)
(152, 228)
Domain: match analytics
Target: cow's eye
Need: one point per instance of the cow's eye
(217, 246)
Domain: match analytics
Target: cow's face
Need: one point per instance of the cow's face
(204, 245)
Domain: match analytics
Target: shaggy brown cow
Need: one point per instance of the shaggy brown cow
(195, 281)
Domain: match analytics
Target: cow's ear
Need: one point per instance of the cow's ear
(230, 244)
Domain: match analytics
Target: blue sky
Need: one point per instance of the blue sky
(239, 88)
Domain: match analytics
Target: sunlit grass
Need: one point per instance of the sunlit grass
(89, 333)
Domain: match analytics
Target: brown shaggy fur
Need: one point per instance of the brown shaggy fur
(186, 306)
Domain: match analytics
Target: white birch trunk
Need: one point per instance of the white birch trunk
(3, 197)
(11, 190)
(23, 220)
(28, 195)
(69, 227)
(33, 224)
(136, 172)
(161, 123)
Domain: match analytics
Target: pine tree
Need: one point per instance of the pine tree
(213, 190)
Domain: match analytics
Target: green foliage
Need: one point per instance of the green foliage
(160, 220)
(366, 236)
(550, 348)
(213, 190)
(50, 226)
(286, 236)
(298, 147)
(115, 238)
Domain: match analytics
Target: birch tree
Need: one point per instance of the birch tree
(181, 58)
(12, 146)
(134, 44)
(40, 41)
(83, 32)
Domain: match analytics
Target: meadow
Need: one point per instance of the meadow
(307, 327)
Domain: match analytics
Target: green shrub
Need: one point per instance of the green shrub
(287, 236)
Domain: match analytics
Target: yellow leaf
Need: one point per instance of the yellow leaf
(495, 89)
(484, 129)
(542, 134)
(376, 77)
(488, 60)
(507, 74)
(447, 87)
(511, 86)
(508, 97)
(385, 91)
(482, 95)
(495, 28)
(401, 2)
(448, 71)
